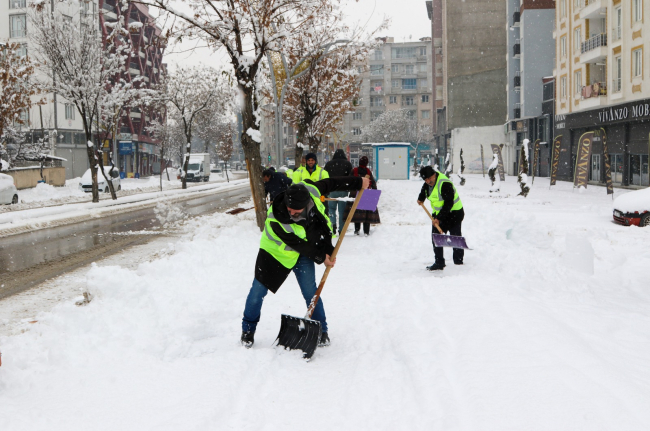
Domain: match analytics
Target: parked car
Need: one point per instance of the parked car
(8, 192)
(633, 208)
(86, 183)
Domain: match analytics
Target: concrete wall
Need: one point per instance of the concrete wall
(470, 139)
(537, 57)
(476, 48)
(76, 160)
(25, 178)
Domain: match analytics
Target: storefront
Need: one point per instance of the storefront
(626, 128)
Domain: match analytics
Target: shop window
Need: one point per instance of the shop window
(638, 169)
(617, 168)
(595, 167)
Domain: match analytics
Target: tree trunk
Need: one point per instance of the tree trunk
(314, 144)
(90, 151)
(186, 163)
(253, 157)
(299, 148)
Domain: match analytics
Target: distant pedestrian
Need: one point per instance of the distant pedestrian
(311, 170)
(339, 166)
(362, 216)
(274, 183)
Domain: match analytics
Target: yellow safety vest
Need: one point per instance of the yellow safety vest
(435, 198)
(274, 245)
(302, 174)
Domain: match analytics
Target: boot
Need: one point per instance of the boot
(437, 266)
(324, 340)
(247, 339)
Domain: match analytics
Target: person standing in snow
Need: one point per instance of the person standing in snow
(447, 211)
(311, 170)
(297, 233)
(274, 183)
(362, 216)
(339, 166)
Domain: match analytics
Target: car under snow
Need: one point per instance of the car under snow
(633, 208)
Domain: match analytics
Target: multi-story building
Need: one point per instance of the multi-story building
(602, 84)
(137, 151)
(398, 75)
(57, 113)
(472, 63)
(531, 57)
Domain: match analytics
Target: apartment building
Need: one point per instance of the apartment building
(57, 114)
(134, 148)
(531, 58)
(603, 84)
(398, 75)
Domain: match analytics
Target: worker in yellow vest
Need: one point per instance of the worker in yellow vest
(447, 210)
(311, 170)
(297, 233)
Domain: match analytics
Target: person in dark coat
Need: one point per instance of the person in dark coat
(339, 166)
(275, 183)
(362, 216)
(297, 234)
(447, 211)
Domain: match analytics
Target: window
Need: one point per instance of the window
(422, 67)
(563, 87)
(357, 116)
(376, 86)
(69, 111)
(562, 8)
(356, 131)
(403, 52)
(392, 100)
(378, 54)
(22, 119)
(616, 85)
(409, 84)
(360, 69)
(577, 38)
(394, 68)
(394, 83)
(578, 82)
(376, 101)
(637, 62)
(376, 69)
(22, 50)
(17, 4)
(409, 100)
(637, 10)
(423, 50)
(411, 115)
(18, 24)
(563, 46)
(67, 21)
(618, 23)
(425, 98)
(409, 69)
(426, 114)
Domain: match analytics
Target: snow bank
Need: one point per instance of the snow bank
(636, 201)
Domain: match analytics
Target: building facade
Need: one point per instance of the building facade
(398, 75)
(602, 84)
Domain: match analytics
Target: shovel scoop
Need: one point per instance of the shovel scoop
(442, 240)
(305, 333)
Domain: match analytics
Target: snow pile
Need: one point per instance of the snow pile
(43, 192)
(255, 135)
(636, 201)
(518, 338)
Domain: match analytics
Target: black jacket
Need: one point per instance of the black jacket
(446, 216)
(339, 166)
(318, 243)
(278, 183)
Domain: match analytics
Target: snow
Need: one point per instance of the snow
(255, 135)
(524, 336)
(6, 181)
(637, 201)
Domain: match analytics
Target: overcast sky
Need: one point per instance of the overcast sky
(409, 20)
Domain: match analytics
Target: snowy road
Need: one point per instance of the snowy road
(545, 327)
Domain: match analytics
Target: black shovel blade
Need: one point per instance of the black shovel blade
(298, 333)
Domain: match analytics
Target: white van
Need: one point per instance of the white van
(86, 183)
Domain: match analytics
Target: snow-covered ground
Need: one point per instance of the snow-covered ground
(545, 327)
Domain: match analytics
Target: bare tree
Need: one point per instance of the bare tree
(225, 146)
(80, 67)
(522, 178)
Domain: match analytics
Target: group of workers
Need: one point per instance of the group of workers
(298, 232)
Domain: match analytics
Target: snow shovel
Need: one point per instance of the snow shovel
(238, 210)
(442, 240)
(304, 333)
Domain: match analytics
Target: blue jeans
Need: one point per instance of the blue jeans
(332, 206)
(305, 272)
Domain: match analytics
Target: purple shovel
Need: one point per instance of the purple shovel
(442, 240)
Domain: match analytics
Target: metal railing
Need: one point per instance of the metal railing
(594, 42)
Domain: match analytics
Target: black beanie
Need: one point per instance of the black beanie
(311, 156)
(426, 172)
(297, 197)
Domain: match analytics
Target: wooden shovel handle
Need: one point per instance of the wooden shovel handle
(314, 300)
(431, 217)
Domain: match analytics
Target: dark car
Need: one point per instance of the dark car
(633, 208)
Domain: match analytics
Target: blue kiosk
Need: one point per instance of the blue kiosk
(391, 160)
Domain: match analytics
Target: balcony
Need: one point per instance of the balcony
(594, 49)
(516, 49)
(593, 95)
(516, 18)
(517, 81)
(593, 9)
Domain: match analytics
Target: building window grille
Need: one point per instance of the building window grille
(409, 84)
(17, 4)
(594, 42)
